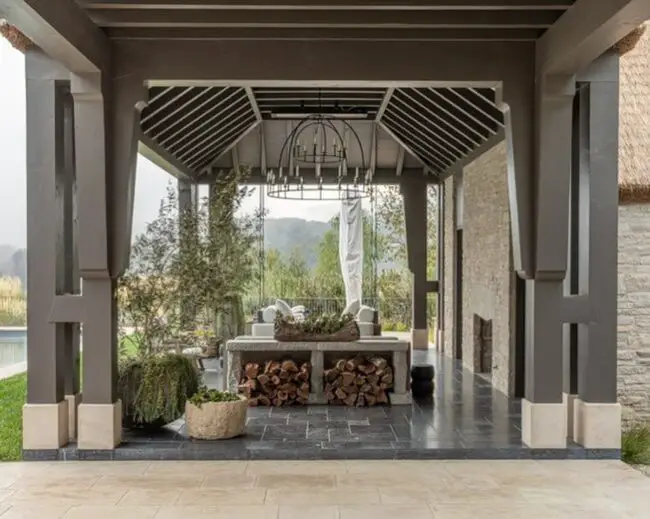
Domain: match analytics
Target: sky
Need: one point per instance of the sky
(151, 181)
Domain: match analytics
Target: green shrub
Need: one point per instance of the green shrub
(635, 445)
(401, 327)
(154, 388)
(205, 395)
(388, 326)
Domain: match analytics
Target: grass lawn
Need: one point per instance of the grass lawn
(12, 398)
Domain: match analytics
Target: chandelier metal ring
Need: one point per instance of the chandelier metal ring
(290, 184)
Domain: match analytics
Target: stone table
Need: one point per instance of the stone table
(242, 349)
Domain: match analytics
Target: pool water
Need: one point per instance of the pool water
(13, 347)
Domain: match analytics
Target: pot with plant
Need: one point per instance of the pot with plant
(215, 415)
(154, 389)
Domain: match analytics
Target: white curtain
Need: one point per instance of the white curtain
(351, 248)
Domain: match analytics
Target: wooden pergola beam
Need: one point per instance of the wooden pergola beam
(63, 30)
(585, 32)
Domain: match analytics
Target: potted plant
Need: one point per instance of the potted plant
(215, 415)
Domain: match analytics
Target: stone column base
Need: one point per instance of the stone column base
(596, 425)
(569, 401)
(543, 426)
(73, 402)
(100, 426)
(420, 339)
(45, 426)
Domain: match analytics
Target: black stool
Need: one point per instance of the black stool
(422, 380)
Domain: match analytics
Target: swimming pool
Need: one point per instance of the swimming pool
(13, 346)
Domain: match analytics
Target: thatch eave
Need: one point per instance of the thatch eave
(17, 39)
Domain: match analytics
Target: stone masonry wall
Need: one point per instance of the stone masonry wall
(634, 310)
(488, 279)
(449, 223)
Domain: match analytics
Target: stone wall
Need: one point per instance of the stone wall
(488, 279)
(449, 231)
(634, 310)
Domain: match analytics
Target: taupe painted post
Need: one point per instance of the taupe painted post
(45, 415)
(544, 421)
(106, 151)
(597, 413)
(414, 195)
(186, 204)
(67, 266)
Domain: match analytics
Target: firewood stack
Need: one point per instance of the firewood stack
(359, 381)
(277, 383)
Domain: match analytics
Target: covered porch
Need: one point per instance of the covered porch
(429, 87)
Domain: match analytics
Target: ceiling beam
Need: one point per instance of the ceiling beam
(163, 159)
(420, 5)
(323, 19)
(253, 101)
(62, 30)
(320, 63)
(586, 31)
(384, 103)
(322, 34)
(400, 142)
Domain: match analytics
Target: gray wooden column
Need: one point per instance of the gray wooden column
(186, 204)
(67, 264)
(106, 151)
(45, 164)
(414, 194)
(543, 410)
(598, 247)
(571, 285)
(545, 294)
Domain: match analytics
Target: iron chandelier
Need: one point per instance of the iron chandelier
(313, 144)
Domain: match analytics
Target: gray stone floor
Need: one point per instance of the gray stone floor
(464, 419)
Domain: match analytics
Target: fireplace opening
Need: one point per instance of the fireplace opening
(483, 344)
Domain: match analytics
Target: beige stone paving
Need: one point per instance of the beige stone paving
(324, 490)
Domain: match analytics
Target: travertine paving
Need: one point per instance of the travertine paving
(323, 490)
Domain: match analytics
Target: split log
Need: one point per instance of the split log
(276, 383)
(358, 381)
(252, 370)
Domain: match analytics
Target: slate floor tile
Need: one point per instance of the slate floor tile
(285, 432)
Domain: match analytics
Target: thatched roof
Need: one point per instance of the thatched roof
(634, 130)
(17, 39)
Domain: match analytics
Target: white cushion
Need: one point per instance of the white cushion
(263, 329)
(352, 308)
(366, 329)
(299, 309)
(269, 313)
(283, 307)
(365, 314)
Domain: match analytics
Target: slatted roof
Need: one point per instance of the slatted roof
(196, 127)
(438, 127)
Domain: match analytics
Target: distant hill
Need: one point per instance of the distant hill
(282, 234)
(287, 234)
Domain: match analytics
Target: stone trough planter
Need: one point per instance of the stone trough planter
(216, 420)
